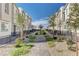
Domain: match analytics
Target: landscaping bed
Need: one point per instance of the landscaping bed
(18, 51)
(20, 48)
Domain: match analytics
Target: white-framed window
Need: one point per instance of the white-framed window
(4, 27)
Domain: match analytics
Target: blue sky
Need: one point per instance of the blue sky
(40, 11)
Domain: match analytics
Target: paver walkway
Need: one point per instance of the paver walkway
(61, 50)
(39, 49)
(5, 50)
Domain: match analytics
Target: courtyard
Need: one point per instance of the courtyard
(41, 47)
(39, 29)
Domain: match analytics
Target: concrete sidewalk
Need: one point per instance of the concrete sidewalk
(7, 40)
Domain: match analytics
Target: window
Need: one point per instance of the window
(4, 26)
(7, 8)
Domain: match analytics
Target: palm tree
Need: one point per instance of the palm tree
(73, 21)
(21, 23)
(52, 22)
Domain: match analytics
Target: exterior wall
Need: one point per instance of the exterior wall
(58, 22)
(28, 23)
(59, 19)
(12, 22)
(62, 17)
(66, 10)
(55, 21)
(5, 21)
(14, 25)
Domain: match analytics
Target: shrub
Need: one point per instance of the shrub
(44, 33)
(55, 37)
(24, 49)
(18, 42)
(60, 39)
(70, 45)
(70, 42)
(26, 36)
(51, 43)
(19, 51)
(29, 46)
(48, 38)
(72, 48)
(36, 33)
(31, 38)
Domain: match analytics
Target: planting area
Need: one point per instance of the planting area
(39, 44)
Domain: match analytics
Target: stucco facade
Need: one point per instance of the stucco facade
(5, 19)
(59, 19)
(8, 16)
(28, 22)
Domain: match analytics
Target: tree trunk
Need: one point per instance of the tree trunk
(70, 34)
(59, 33)
(76, 42)
(21, 33)
(53, 31)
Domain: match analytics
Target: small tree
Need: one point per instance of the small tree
(21, 23)
(40, 26)
(73, 21)
(52, 22)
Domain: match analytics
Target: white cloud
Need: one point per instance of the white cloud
(40, 21)
(37, 23)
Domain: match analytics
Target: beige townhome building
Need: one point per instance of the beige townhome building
(28, 22)
(62, 16)
(66, 16)
(59, 19)
(67, 12)
(28, 19)
(5, 19)
(8, 16)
